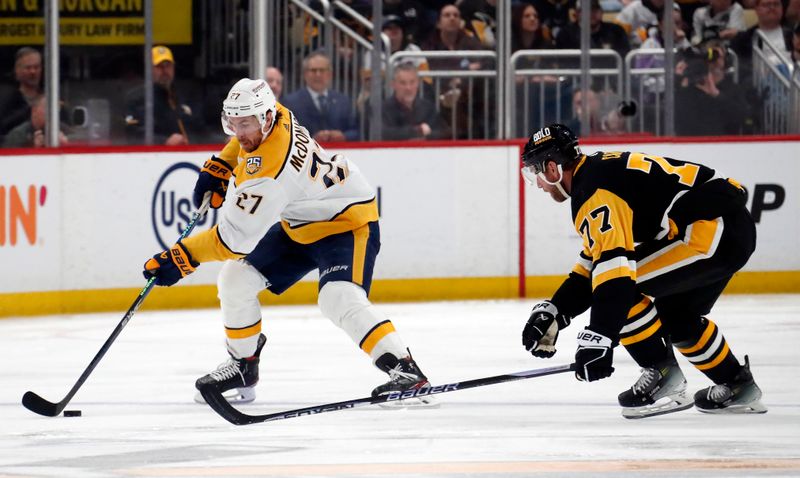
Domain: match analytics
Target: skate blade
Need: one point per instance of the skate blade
(415, 403)
(675, 404)
(235, 395)
(754, 407)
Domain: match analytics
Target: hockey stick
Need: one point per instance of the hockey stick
(228, 412)
(37, 404)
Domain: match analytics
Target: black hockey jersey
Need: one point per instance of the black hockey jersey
(620, 199)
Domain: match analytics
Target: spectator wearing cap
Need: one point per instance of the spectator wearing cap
(406, 115)
(394, 27)
(174, 122)
(604, 35)
(720, 19)
(414, 15)
(16, 106)
(329, 115)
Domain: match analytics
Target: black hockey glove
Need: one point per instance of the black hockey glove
(213, 178)
(594, 356)
(541, 332)
(170, 266)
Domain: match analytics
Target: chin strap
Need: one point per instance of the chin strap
(557, 182)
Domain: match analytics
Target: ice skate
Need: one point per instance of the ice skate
(742, 395)
(659, 390)
(404, 376)
(235, 378)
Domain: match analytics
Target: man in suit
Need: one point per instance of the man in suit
(327, 113)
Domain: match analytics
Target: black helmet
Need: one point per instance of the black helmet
(555, 143)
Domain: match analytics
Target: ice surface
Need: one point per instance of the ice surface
(139, 418)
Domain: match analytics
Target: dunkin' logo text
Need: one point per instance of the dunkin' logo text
(18, 213)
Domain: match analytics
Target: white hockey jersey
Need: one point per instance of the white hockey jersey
(290, 178)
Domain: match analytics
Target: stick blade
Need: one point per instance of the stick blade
(37, 404)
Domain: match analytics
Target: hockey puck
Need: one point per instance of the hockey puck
(72, 413)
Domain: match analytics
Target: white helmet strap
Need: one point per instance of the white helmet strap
(557, 182)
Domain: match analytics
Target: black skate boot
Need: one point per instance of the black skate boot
(742, 395)
(661, 389)
(235, 378)
(404, 375)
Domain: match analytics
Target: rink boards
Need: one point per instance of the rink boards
(456, 222)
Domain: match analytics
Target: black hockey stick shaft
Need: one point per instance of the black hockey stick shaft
(228, 412)
(42, 406)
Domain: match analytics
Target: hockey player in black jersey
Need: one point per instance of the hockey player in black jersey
(652, 228)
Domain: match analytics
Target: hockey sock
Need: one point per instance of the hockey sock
(642, 335)
(708, 351)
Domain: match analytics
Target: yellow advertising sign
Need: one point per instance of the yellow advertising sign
(96, 22)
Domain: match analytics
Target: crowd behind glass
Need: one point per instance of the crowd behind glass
(102, 99)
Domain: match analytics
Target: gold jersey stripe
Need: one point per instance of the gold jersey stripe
(703, 340)
(350, 219)
(623, 270)
(703, 240)
(244, 332)
(581, 270)
(376, 335)
(360, 238)
(639, 308)
(641, 335)
(716, 361)
(207, 246)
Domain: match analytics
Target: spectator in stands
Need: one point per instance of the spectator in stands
(720, 19)
(174, 122)
(458, 93)
(655, 39)
(480, 17)
(274, 79)
(30, 134)
(770, 16)
(527, 30)
(604, 115)
(708, 105)
(414, 16)
(554, 14)
(637, 17)
(406, 115)
(328, 114)
(604, 35)
(449, 35)
(16, 106)
(394, 29)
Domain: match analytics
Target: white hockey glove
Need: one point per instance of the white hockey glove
(541, 332)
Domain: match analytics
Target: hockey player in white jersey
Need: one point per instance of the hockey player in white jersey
(294, 208)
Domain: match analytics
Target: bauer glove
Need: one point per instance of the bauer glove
(541, 332)
(213, 178)
(594, 356)
(170, 266)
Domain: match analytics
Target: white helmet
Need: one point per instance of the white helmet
(249, 98)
